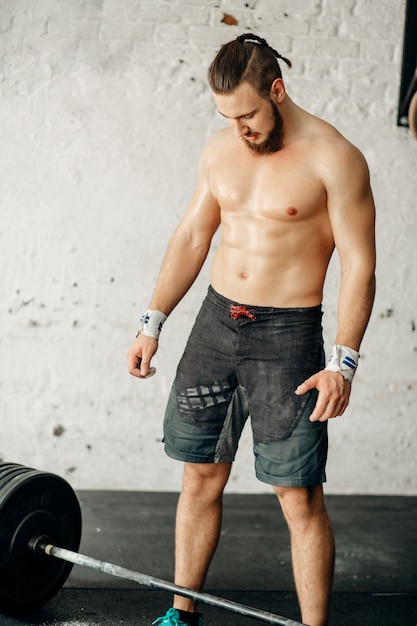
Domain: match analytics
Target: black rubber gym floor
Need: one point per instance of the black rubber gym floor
(376, 565)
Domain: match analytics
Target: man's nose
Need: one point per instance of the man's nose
(240, 128)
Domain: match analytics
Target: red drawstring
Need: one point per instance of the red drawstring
(238, 310)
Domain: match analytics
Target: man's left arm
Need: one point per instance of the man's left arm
(352, 215)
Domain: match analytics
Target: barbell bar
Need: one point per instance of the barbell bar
(40, 509)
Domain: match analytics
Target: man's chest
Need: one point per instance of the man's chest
(275, 189)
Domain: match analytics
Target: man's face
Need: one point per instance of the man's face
(255, 120)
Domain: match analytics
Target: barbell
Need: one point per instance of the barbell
(40, 518)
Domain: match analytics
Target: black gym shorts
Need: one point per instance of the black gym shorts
(243, 360)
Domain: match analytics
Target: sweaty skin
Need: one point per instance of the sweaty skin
(276, 233)
(277, 211)
(281, 215)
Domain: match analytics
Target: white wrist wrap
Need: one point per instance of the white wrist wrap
(151, 323)
(343, 360)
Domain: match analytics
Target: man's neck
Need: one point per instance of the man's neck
(293, 117)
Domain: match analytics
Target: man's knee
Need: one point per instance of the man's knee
(301, 504)
(205, 479)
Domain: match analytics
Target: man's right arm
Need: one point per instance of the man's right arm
(184, 258)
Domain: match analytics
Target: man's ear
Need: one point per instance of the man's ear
(277, 92)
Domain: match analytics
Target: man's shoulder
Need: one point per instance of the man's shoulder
(217, 146)
(329, 152)
(329, 143)
(220, 138)
(335, 157)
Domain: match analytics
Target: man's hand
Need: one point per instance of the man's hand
(334, 392)
(139, 356)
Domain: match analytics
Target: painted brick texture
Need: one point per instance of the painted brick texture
(104, 110)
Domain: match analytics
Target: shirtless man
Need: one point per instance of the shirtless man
(286, 189)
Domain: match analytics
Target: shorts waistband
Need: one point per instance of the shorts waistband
(225, 304)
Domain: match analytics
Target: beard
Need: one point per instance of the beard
(273, 142)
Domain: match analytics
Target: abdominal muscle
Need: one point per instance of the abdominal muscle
(263, 263)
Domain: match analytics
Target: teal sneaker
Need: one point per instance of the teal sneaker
(172, 618)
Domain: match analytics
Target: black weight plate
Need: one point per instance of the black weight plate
(6, 465)
(6, 475)
(33, 504)
(6, 468)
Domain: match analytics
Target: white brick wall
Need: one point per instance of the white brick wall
(104, 109)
